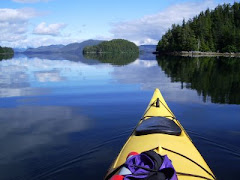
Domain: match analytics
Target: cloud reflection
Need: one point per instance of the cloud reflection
(23, 76)
(149, 76)
(23, 128)
(32, 77)
(146, 73)
(48, 76)
(15, 80)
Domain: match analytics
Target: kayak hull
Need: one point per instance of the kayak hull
(179, 149)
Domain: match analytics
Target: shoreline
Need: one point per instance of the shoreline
(198, 54)
(6, 53)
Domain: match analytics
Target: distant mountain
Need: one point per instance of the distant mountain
(78, 47)
(44, 49)
(75, 48)
(146, 52)
(19, 50)
(147, 48)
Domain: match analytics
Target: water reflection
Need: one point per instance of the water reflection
(27, 77)
(6, 56)
(27, 128)
(33, 138)
(63, 56)
(48, 76)
(148, 75)
(113, 58)
(61, 119)
(214, 78)
(143, 72)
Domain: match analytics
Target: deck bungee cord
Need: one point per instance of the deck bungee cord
(179, 173)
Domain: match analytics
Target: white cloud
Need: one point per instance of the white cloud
(16, 15)
(14, 29)
(149, 29)
(30, 1)
(43, 41)
(51, 29)
(14, 23)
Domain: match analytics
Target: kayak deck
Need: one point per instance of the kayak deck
(184, 155)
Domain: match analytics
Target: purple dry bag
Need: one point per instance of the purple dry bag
(150, 166)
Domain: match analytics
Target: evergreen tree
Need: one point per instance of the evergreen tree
(113, 46)
(6, 50)
(216, 30)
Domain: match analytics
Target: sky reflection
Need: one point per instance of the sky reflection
(29, 77)
(60, 117)
(148, 75)
(26, 127)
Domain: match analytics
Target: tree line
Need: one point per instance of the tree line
(215, 30)
(6, 50)
(113, 46)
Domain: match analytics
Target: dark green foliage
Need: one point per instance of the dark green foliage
(6, 56)
(218, 79)
(6, 50)
(113, 58)
(113, 46)
(217, 30)
(6, 53)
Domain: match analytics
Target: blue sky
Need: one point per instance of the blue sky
(33, 23)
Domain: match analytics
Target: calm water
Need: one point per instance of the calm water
(67, 118)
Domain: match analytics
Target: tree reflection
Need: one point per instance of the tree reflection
(6, 56)
(113, 58)
(217, 78)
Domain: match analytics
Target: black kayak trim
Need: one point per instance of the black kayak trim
(158, 125)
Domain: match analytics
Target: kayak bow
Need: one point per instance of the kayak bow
(159, 129)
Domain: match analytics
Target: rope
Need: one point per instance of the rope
(190, 160)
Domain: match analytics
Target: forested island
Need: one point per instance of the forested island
(6, 50)
(215, 30)
(6, 53)
(116, 52)
(113, 46)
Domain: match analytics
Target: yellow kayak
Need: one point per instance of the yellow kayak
(160, 130)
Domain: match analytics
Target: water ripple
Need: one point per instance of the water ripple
(81, 157)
